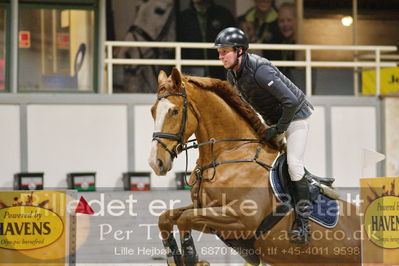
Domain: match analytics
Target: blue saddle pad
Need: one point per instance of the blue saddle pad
(325, 210)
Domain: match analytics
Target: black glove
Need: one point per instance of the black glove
(270, 134)
(281, 128)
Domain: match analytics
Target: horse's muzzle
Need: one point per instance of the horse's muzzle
(160, 163)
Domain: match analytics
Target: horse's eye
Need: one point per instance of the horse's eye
(159, 11)
(175, 112)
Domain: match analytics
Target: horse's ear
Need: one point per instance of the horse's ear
(161, 77)
(176, 78)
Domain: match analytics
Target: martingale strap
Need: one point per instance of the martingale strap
(214, 164)
(199, 170)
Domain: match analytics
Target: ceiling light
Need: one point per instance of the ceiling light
(347, 21)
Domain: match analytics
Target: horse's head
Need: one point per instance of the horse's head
(152, 18)
(175, 121)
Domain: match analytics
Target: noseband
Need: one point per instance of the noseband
(177, 137)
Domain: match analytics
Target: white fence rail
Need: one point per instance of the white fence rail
(377, 63)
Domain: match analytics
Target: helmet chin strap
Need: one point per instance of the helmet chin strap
(236, 62)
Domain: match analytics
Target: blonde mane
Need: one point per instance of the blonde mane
(224, 90)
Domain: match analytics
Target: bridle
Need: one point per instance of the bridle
(179, 137)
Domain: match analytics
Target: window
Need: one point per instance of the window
(3, 46)
(56, 48)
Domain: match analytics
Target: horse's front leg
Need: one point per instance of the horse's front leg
(212, 220)
(165, 223)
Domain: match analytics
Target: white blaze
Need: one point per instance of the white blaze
(162, 109)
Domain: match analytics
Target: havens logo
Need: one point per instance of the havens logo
(28, 227)
(381, 219)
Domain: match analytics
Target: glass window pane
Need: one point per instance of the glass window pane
(56, 49)
(2, 48)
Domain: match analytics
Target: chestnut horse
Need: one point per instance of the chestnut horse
(230, 189)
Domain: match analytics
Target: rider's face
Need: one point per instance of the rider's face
(227, 55)
(286, 22)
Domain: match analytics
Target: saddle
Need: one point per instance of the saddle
(282, 187)
(325, 206)
(280, 171)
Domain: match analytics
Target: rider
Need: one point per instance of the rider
(282, 106)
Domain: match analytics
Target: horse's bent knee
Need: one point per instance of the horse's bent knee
(165, 224)
(165, 221)
(183, 221)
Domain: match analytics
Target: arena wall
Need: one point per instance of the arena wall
(111, 134)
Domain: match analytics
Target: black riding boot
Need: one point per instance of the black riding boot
(300, 233)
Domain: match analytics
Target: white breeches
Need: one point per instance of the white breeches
(297, 136)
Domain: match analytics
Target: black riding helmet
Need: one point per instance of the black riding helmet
(231, 37)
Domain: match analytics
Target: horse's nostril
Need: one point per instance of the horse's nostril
(160, 163)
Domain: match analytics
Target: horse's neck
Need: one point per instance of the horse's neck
(219, 121)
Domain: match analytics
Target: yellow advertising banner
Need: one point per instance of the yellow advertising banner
(380, 208)
(35, 227)
(389, 81)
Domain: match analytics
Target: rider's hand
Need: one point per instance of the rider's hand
(270, 134)
(281, 128)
